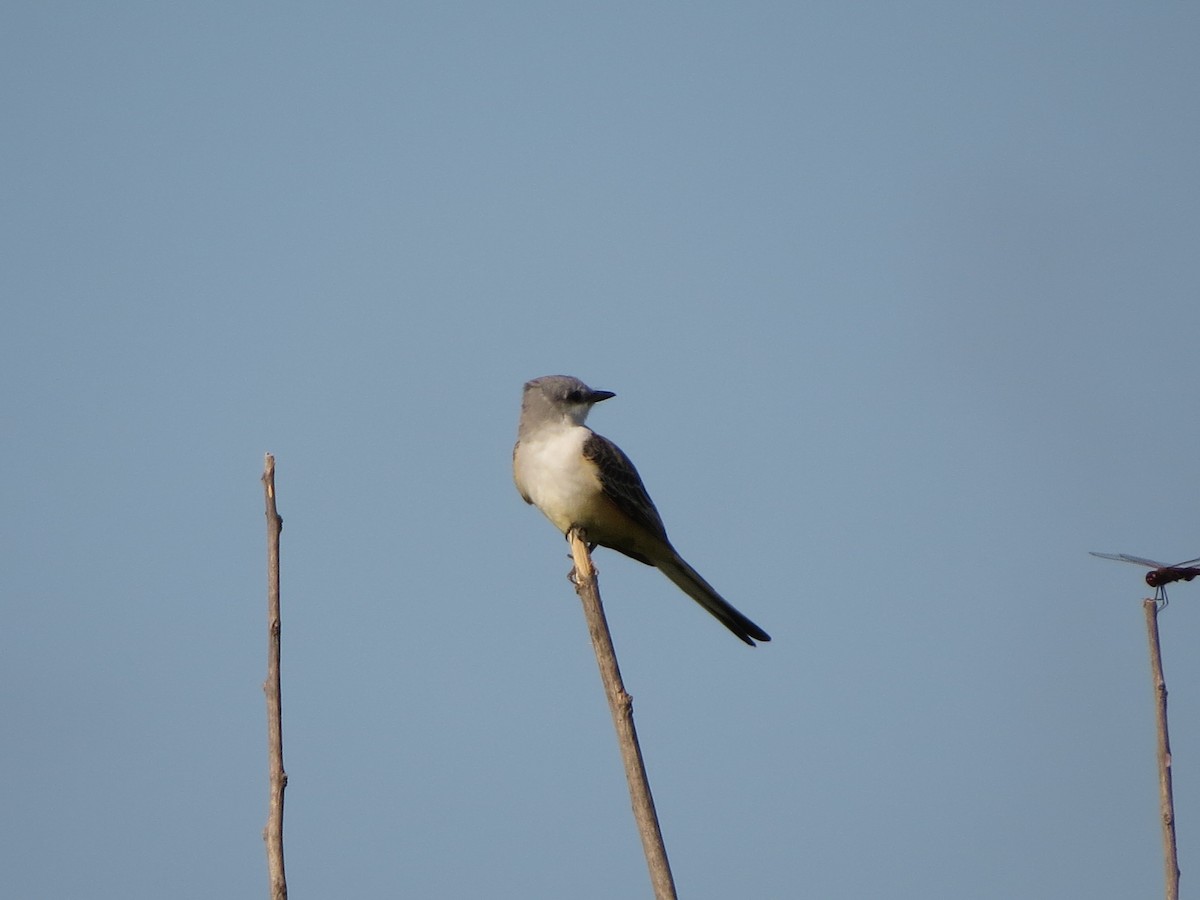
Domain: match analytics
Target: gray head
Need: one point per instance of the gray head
(558, 398)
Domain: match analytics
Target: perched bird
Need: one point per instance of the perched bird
(579, 479)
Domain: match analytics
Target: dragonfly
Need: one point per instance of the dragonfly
(1160, 574)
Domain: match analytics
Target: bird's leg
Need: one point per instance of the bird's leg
(567, 537)
(581, 534)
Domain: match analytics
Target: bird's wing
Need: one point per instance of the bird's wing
(622, 484)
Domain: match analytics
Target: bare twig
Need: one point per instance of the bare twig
(273, 833)
(620, 704)
(1165, 798)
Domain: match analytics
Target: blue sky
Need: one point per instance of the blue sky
(900, 306)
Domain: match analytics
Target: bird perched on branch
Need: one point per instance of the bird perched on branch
(579, 479)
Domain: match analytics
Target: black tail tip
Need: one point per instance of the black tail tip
(757, 634)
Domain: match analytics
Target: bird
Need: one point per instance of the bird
(579, 479)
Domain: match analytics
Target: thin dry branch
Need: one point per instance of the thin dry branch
(620, 704)
(1165, 796)
(273, 833)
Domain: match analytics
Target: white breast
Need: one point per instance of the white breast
(550, 470)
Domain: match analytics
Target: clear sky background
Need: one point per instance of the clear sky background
(901, 303)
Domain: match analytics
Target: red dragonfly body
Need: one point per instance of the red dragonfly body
(1160, 573)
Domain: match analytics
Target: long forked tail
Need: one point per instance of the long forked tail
(689, 581)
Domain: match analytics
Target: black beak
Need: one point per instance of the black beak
(597, 396)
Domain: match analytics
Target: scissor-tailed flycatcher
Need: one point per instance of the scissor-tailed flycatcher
(579, 479)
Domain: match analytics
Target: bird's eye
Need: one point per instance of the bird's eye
(575, 396)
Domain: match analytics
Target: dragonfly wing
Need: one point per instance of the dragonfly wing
(1136, 560)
